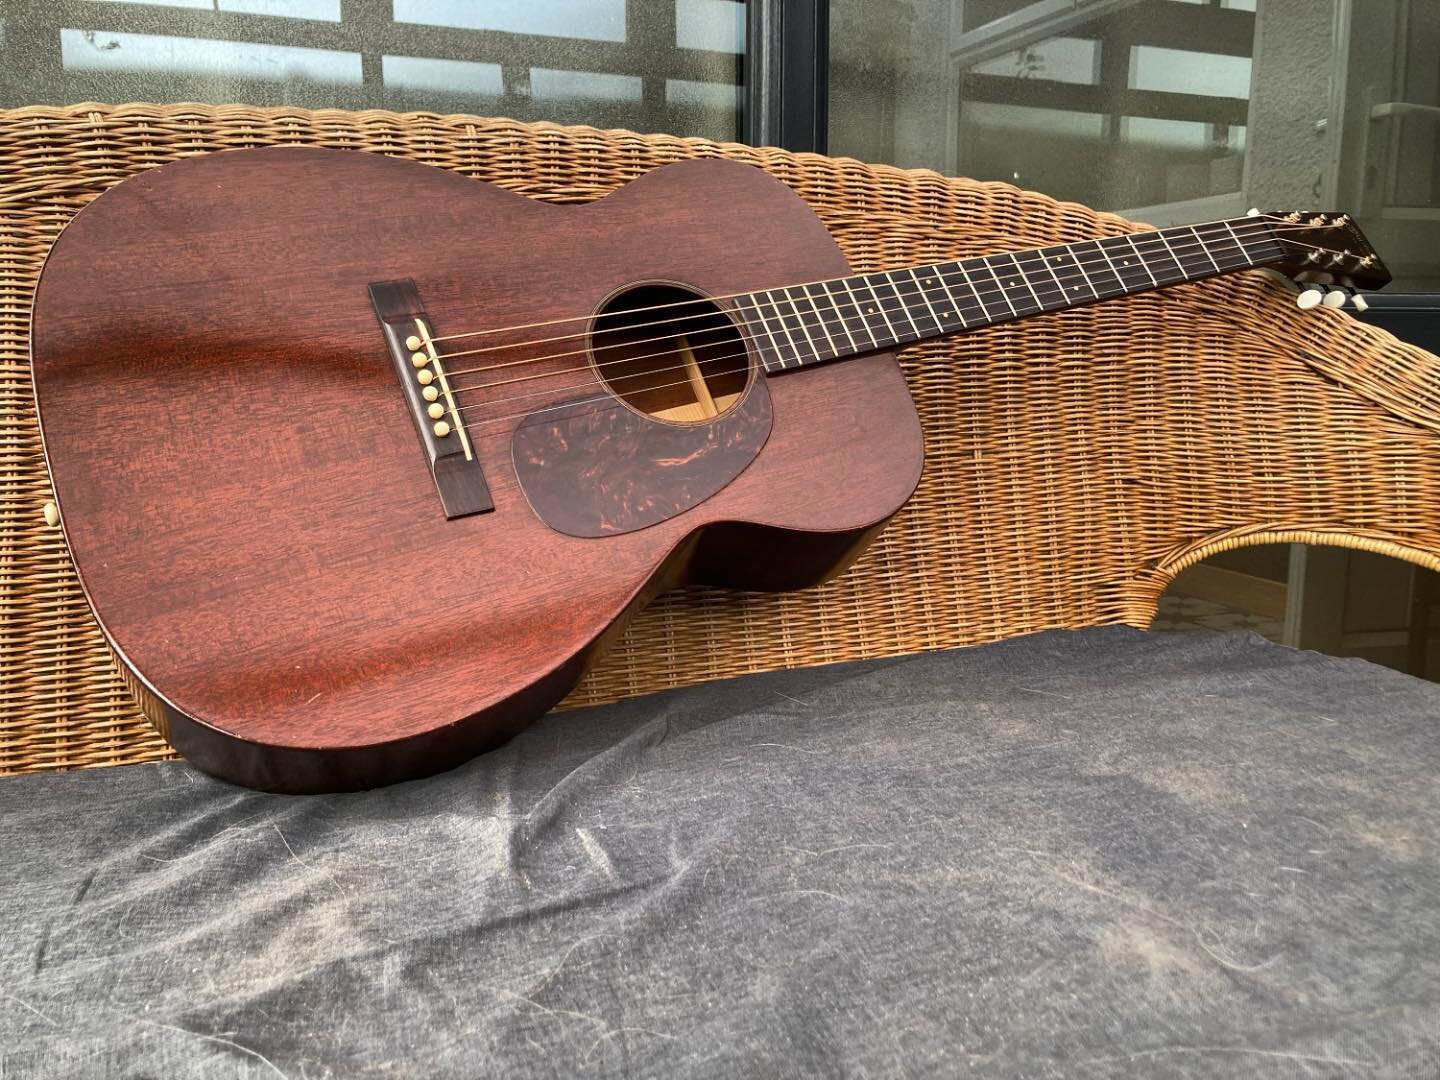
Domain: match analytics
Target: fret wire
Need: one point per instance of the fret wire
(934, 315)
(835, 305)
(1003, 296)
(1064, 266)
(1099, 249)
(855, 303)
(900, 308)
(970, 284)
(1026, 279)
(1184, 274)
(769, 331)
(822, 319)
(1100, 245)
(1210, 239)
(1143, 265)
(940, 276)
(1066, 281)
(910, 309)
(775, 307)
(1076, 280)
(860, 313)
(1204, 247)
(981, 296)
(754, 309)
(869, 284)
(980, 315)
(1159, 256)
(804, 329)
(1075, 259)
(1247, 259)
(1047, 262)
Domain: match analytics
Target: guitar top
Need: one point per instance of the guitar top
(360, 461)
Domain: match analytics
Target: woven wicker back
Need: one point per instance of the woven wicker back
(1076, 462)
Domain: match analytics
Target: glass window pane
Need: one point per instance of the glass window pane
(1171, 110)
(710, 24)
(593, 20)
(445, 76)
(90, 50)
(1062, 59)
(648, 65)
(1184, 71)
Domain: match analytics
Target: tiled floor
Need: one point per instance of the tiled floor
(1188, 613)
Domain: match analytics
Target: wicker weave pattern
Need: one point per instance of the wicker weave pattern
(1076, 461)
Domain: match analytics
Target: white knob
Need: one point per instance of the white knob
(1335, 298)
(1361, 304)
(1308, 298)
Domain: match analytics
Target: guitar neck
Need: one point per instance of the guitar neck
(807, 324)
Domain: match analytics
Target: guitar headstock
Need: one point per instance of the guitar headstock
(1325, 253)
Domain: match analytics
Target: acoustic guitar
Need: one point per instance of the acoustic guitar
(360, 461)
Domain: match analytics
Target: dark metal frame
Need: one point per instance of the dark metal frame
(787, 52)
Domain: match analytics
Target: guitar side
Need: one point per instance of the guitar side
(244, 497)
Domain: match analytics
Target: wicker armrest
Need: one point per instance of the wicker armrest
(1076, 461)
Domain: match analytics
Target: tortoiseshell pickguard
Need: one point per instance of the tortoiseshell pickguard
(603, 471)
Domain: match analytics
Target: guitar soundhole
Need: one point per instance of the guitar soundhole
(670, 353)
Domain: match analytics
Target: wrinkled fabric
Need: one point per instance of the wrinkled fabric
(1076, 854)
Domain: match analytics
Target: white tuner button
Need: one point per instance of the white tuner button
(1361, 304)
(436, 411)
(1335, 298)
(1254, 211)
(419, 359)
(1309, 298)
(412, 343)
(430, 393)
(441, 428)
(52, 514)
(426, 376)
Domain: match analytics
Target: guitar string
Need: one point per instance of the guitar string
(1188, 247)
(616, 402)
(590, 383)
(977, 307)
(1271, 218)
(960, 311)
(902, 294)
(1043, 261)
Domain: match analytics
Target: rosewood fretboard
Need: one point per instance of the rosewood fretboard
(810, 323)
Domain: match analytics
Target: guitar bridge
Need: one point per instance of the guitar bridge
(409, 336)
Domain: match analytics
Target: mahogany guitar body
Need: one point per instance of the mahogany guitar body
(252, 513)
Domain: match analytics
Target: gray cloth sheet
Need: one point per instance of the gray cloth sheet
(1076, 854)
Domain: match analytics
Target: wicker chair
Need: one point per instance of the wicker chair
(1076, 462)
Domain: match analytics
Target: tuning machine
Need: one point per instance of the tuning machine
(1314, 295)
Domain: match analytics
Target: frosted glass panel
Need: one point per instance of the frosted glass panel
(328, 10)
(1171, 110)
(649, 65)
(448, 76)
(89, 50)
(583, 86)
(592, 20)
(1180, 71)
(710, 24)
(1072, 60)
